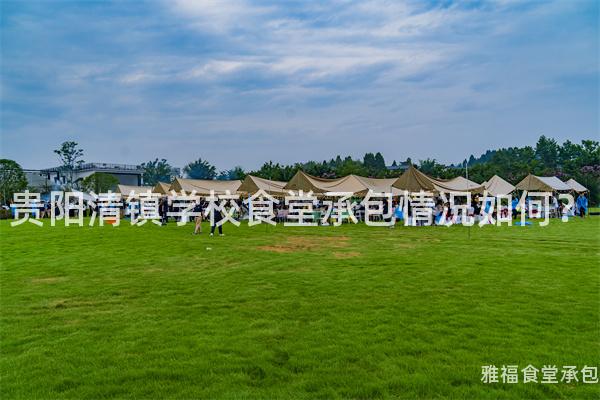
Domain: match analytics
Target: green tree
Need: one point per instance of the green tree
(12, 180)
(546, 152)
(380, 167)
(232, 174)
(369, 162)
(71, 157)
(99, 182)
(350, 166)
(276, 171)
(432, 168)
(590, 152)
(156, 171)
(200, 169)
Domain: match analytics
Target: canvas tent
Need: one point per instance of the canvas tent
(413, 180)
(307, 183)
(162, 188)
(204, 186)
(533, 183)
(385, 185)
(126, 190)
(252, 184)
(459, 184)
(497, 186)
(352, 183)
(576, 186)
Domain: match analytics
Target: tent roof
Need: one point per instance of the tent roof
(204, 186)
(413, 180)
(162, 188)
(352, 183)
(576, 186)
(306, 182)
(459, 184)
(378, 185)
(253, 184)
(125, 190)
(542, 183)
(498, 186)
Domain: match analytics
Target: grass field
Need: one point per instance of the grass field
(279, 312)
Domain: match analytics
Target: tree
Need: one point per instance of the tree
(431, 168)
(318, 169)
(12, 179)
(232, 174)
(590, 152)
(156, 171)
(369, 161)
(350, 166)
(71, 158)
(200, 169)
(379, 163)
(546, 152)
(99, 182)
(276, 172)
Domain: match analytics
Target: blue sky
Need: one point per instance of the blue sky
(243, 82)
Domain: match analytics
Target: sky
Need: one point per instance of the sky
(244, 82)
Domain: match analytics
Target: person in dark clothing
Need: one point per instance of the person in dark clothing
(476, 206)
(164, 210)
(217, 218)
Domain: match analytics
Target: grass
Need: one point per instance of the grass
(279, 312)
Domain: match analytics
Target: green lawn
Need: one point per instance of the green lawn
(279, 312)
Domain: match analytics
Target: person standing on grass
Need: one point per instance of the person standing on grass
(164, 210)
(198, 219)
(582, 204)
(217, 217)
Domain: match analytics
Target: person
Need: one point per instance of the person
(198, 219)
(438, 212)
(515, 207)
(555, 207)
(582, 204)
(216, 218)
(476, 206)
(164, 210)
(43, 209)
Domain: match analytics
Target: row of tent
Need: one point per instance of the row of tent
(412, 180)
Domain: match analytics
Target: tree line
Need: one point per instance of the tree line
(580, 161)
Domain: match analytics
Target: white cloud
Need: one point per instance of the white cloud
(216, 15)
(334, 71)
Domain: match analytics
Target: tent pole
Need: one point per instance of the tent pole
(467, 173)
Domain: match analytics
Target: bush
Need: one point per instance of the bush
(5, 214)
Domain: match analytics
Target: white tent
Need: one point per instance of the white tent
(533, 183)
(497, 186)
(576, 186)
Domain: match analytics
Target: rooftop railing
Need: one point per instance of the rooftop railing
(100, 166)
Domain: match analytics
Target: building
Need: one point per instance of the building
(400, 166)
(49, 179)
